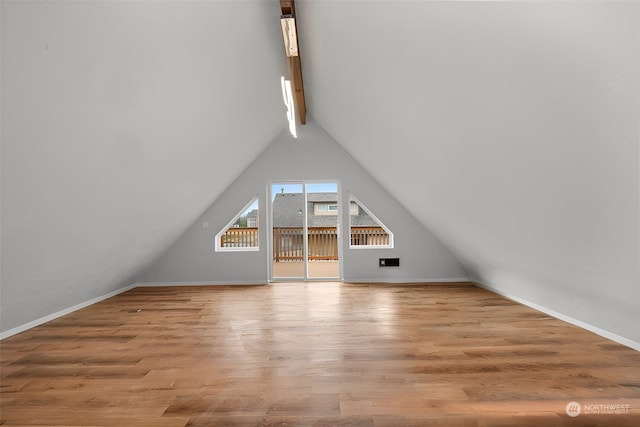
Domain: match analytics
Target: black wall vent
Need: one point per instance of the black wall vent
(389, 262)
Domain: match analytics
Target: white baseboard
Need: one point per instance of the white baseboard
(591, 328)
(603, 333)
(405, 280)
(45, 319)
(40, 321)
(209, 283)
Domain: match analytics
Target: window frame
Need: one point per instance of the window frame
(219, 248)
(362, 206)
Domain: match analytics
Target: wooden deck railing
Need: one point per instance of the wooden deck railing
(369, 236)
(323, 242)
(240, 238)
(288, 244)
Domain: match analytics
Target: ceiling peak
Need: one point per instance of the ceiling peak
(289, 26)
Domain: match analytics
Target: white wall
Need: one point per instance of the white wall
(118, 119)
(515, 123)
(315, 156)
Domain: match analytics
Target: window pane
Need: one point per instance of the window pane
(242, 233)
(365, 230)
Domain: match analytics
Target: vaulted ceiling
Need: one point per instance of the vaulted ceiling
(515, 123)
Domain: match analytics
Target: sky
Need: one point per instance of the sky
(313, 187)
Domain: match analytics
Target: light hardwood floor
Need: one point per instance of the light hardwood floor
(314, 354)
(320, 269)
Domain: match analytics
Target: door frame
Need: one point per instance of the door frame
(305, 229)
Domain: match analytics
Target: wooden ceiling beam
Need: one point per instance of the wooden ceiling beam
(288, 10)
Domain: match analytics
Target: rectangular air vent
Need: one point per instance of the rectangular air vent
(389, 262)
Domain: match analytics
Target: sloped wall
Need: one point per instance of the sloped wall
(112, 116)
(516, 124)
(314, 156)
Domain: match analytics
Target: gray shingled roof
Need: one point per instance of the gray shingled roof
(287, 211)
(363, 219)
(322, 197)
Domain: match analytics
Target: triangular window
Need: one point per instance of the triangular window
(241, 233)
(365, 229)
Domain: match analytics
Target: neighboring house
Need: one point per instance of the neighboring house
(252, 219)
(322, 209)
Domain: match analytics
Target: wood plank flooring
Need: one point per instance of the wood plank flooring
(319, 269)
(315, 354)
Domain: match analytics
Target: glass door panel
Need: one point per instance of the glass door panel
(322, 230)
(287, 208)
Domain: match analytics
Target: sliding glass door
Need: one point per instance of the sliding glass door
(305, 232)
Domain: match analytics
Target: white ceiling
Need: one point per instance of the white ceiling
(509, 129)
